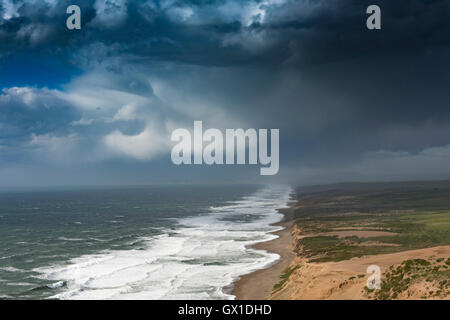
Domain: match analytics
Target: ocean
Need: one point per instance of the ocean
(157, 242)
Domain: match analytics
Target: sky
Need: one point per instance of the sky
(97, 106)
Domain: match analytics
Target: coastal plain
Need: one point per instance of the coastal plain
(334, 233)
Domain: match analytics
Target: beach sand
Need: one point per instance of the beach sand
(259, 284)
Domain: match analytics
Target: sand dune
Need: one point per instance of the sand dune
(341, 280)
(331, 280)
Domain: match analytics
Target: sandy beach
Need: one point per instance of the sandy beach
(245, 288)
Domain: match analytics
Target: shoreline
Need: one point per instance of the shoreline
(259, 284)
(342, 273)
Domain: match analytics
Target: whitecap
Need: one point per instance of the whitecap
(199, 259)
(11, 269)
(70, 239)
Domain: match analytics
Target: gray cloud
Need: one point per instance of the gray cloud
(340, 94)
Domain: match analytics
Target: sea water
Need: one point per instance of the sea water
(158, 242)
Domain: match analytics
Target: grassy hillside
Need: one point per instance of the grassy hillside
(417, 215)
(412, 230)
(340, 222)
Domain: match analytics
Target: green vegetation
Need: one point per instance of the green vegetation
(337, 224)
(413, 231)
(419, 215)
(372, 198)
(324, 249)
(398, 280)
(284, 277)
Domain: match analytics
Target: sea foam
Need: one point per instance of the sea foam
(198, 259)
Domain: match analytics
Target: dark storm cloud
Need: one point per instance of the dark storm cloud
(333, 30)
(337, 91)
(216, 32)
(321, 29)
